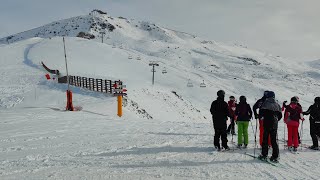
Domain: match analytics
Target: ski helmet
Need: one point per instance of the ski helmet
(294, 99)
(243, 99)
(232, 98)
(297, 98)
(317, 100)
(221, 93)
(270, 94)
(265, 93)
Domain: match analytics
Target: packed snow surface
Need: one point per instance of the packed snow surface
(166, 131)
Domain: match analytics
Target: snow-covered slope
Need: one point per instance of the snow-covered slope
(166, 129)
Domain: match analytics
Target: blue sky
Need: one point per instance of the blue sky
(289, 28)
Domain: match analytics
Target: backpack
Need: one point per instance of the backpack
(293, 114)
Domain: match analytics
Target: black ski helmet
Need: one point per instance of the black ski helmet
(317, 100)
(270, 94)
(265, 93)
(221, 93)
(294, 99)
(243, 99)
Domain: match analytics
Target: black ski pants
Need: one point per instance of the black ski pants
(273, 136)
(220, 132)
(315, 133)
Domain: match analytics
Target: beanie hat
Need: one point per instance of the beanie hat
(221, 93)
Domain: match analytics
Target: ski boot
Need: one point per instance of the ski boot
(314, 147)
(218, 148)
(245, 146)
(239, 146)
(274, 159)
(261, 157)
(226, 148)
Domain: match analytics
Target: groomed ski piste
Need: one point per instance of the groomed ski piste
(166, 131)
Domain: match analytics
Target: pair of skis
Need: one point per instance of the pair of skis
(276, 164)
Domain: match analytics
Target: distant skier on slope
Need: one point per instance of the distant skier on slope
(270, 113)
(220, 112)
(244, 114)
(232, 108)
(256, 106)
(314, 111)
(292, 116)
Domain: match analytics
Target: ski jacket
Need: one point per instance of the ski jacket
(257, 105)
(243, 112)
(232, 108)
(270, 113)
(220, 112)
(314, 111)
(293, 114)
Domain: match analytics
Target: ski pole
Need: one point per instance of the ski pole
(252, 126)
(232, 142)
(301, 134)
(278, 143)
(284, 136)
(255, 139)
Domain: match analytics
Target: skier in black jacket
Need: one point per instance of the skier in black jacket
(256, 106)
(314, 111)
(270, 113)
(220, 112)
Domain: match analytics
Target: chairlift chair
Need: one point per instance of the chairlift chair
(113, 46)
(203, 85)
(189, 83)
(164, 71)
(138, 58)
(130, 57)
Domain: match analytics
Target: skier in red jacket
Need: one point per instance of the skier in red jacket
(232, 103)
(292, 116)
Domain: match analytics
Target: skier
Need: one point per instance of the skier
(284, 106)
(314, 111)
(220, 112)
(292, 116)
(232, 108)
(244, 114)
(270, 113)
(256, 106)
